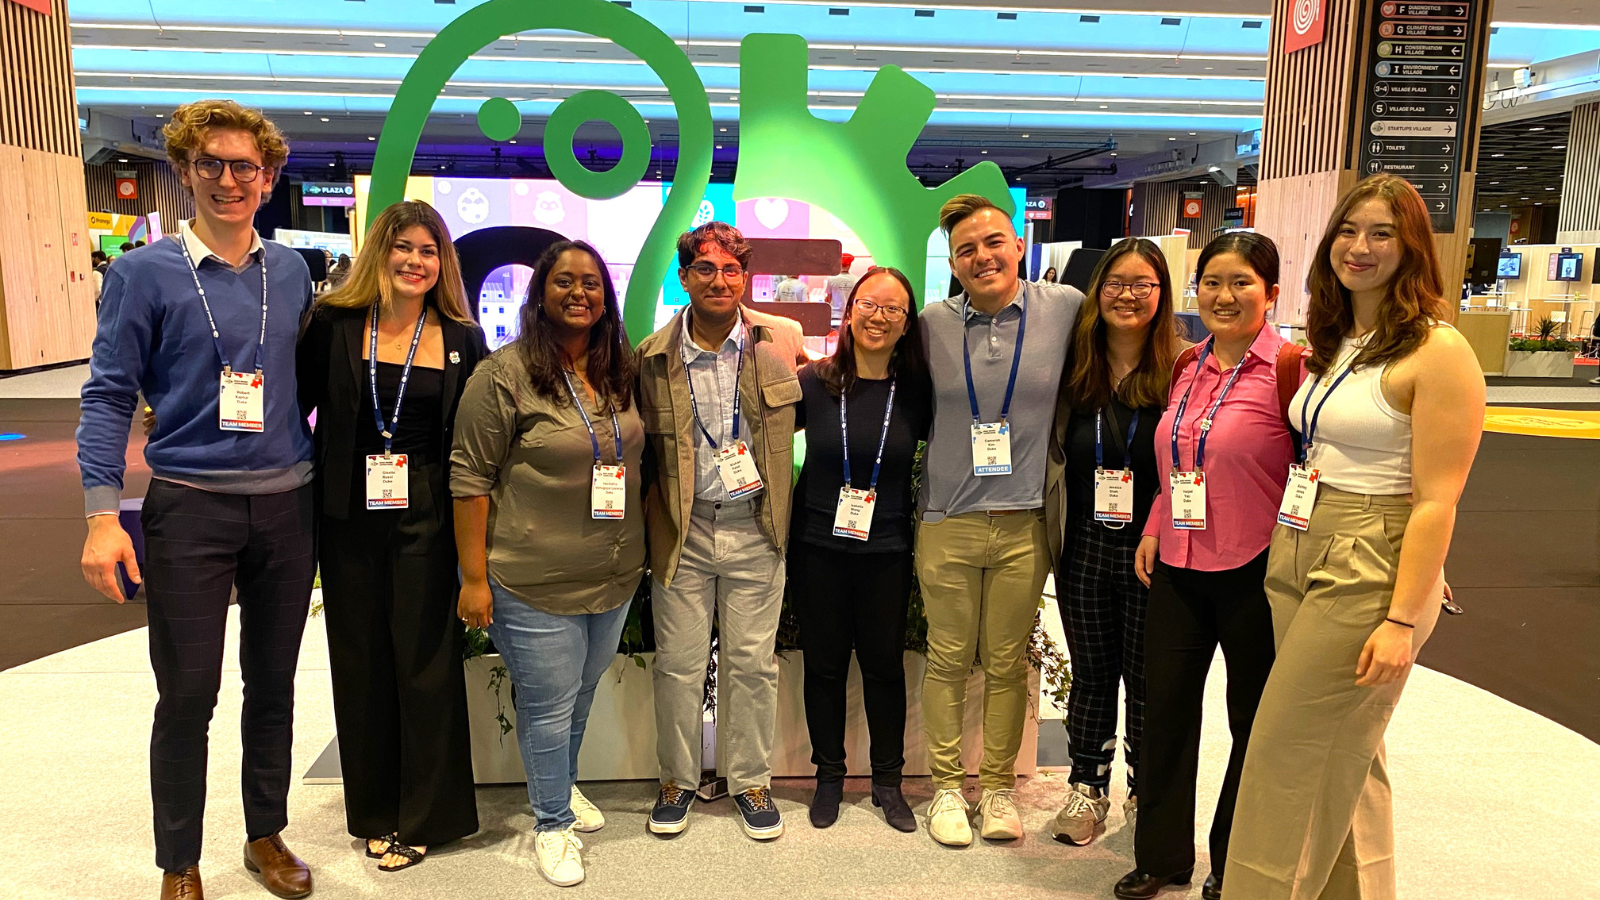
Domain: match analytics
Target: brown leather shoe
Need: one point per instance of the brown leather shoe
(183, 885)
(281, 871)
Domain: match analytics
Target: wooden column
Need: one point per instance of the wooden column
(46, 298)
(1312, 134)
(1580, 190)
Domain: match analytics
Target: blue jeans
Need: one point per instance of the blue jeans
(555, 663)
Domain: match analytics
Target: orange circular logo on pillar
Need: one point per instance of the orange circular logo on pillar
(1191, 209)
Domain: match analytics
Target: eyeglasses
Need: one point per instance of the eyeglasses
(1111, 290)
(243, 169)
(893, 313)
(706, 271)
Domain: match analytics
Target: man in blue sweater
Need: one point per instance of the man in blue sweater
(204, 324)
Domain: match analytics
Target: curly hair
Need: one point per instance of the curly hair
(719, 234)
(186, 132)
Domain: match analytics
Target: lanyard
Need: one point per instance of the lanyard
(1303, 446)
(216, 336)
(883, 438)
(1127, 448)
(405, 376)
(616, 430)
(1016, 360)
(694, 405)
(1205, 423)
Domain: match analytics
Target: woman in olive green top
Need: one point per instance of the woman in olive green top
(550, 524)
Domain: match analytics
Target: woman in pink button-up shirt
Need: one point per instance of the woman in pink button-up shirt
(1206, 580)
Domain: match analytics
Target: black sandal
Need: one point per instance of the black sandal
(388, 840)
(413, 857)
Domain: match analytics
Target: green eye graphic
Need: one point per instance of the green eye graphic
(856, 169)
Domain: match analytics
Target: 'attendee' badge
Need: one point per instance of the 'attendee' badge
(738, 470)
(991, 448)
(241, 405)
(1189, 501)
(387, 485)
(1113, 496)
(853, 519)
(608, 492)
(1299, 495)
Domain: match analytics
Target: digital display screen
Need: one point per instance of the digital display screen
(1569, 266)
(1509, 266)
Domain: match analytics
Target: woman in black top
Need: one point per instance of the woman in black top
(385, 537)
(850, 536)
(1115, 388)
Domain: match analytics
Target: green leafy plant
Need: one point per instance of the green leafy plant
(1544, 339)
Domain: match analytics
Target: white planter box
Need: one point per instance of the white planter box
(620, 742)
(1538, 364)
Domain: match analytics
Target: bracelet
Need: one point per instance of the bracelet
(1398, 622)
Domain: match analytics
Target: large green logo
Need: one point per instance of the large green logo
(855, 170)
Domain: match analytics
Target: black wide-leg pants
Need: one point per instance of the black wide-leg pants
(857, 602)
(199, 546)
(1190, 613)
(389, 590)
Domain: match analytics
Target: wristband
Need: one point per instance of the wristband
(1398, 622)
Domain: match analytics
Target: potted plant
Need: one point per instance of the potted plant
(1542, 355)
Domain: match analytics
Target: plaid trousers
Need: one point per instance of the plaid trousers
(1103, 613)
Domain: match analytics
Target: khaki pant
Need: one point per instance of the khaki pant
(981, 577)
(1314, 819)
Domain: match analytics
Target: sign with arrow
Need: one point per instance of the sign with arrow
(1414, 107)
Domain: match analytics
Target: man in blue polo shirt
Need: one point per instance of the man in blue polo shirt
(204, 325)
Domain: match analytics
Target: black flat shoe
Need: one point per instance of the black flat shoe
(1137, 885)
(1212, 889)
(825, 805)
(896, 811)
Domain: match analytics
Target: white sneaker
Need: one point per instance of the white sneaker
(998, 810)
(1086, 808)
(947, 818)
(589, 816)
(559, 860)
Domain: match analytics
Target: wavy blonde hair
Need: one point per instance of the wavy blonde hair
(186, 132)
(368, 279)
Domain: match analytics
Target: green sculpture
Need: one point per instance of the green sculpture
(855, 170)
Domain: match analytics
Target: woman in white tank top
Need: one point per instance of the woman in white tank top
(1388, 423)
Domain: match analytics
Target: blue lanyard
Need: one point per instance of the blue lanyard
(1127, 448)
(1303, 446)
(1205, 423)
(216, 336)
(694, 405)
(883, 438)
(616, 430)
(1016, 360)
(405, 376)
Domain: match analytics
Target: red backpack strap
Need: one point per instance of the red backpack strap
(1291, 372)
(1184, 361)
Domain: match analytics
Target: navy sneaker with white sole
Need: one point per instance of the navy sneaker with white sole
(671, 813)
(759, 814)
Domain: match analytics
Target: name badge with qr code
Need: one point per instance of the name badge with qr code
(738, 470)
(608, 492)
(241, 404)
(853, 518)
(387, 485)
(1113, 496)
(991, 448)
(1189, 501)
(1299, 495)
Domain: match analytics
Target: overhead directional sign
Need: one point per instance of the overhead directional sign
(1413, 114)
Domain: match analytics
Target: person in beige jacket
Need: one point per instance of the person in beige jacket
(717, 393)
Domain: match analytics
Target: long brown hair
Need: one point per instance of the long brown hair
(1089, 379)
(369, 279)
(906, 363)
(609, 363)
(1415, 295)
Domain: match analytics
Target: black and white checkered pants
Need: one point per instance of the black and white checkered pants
(1103, 613)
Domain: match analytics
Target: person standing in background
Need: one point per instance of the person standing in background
(840, 286)
(1388, 430)
(204, 326)
(99, 263)
(717, 393)
(1049, 275)
(850, 556)
(383, 362)
(1115, 388)
(790, 289)
(984, 547)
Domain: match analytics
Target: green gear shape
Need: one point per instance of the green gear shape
(855, 170)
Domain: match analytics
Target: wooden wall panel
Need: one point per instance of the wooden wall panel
(47, 307)
(159, 190)
(1307, 107)
(1580, 190)
(1281, 214)
(37, 107)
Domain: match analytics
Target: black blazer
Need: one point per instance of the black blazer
(332, 381)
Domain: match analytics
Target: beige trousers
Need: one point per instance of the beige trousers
(1314, 819)
(981, 578)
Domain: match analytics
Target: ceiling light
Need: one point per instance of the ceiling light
(164, 115)
(1024, 135)
(513, 140)
(1103, 106)
(984, 152)
(1502, 206)
(1213, 168)
(1537, 128)
(1549, 189)
(1520, 168)
(122, 160)
(330, 165)
(719, 146)
(379, 44)
(1191, 134)
(371, 138)
(308, 112)
(1556, 147)
(1497, 155)
(1524, 198)
(1171, 138)
(324, 118)
(722, 129)
(1113, 153)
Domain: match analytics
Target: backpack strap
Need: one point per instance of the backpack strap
(1291, 372)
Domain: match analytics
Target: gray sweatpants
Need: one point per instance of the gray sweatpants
(730, 569)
